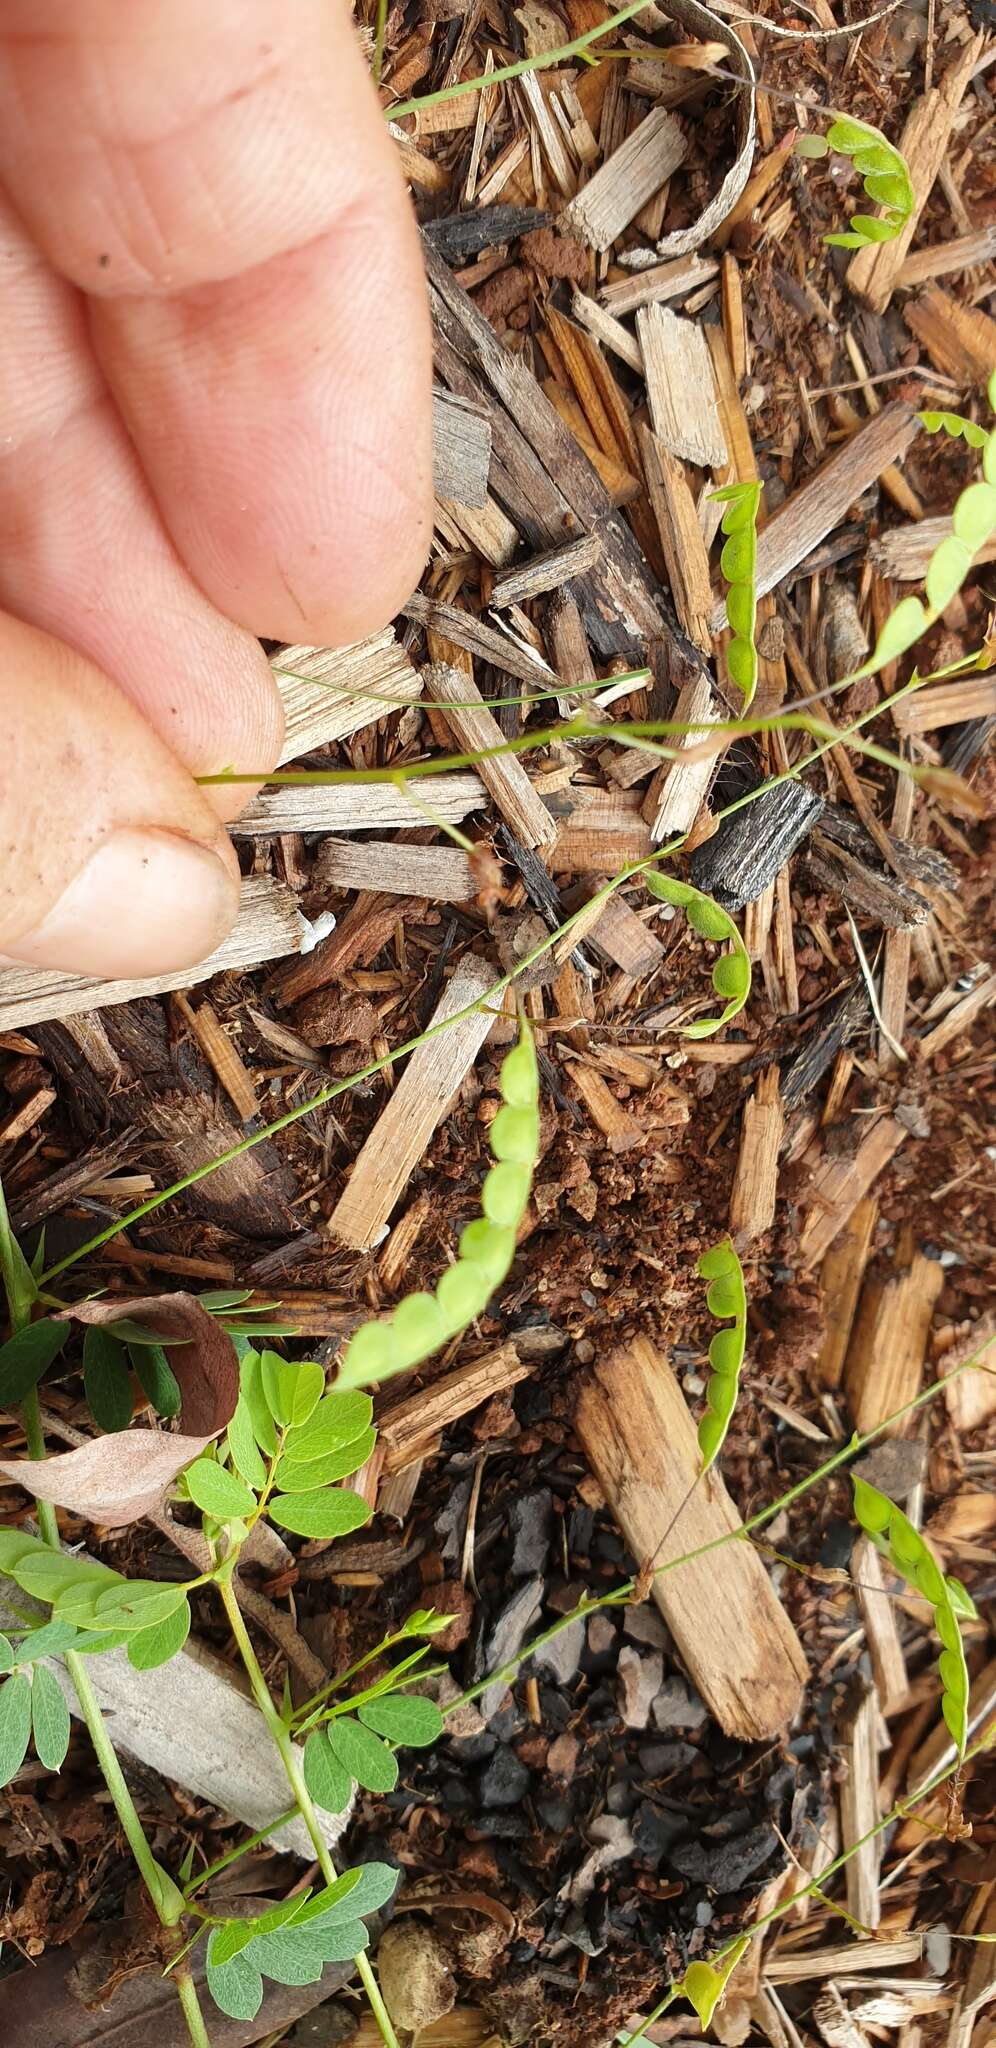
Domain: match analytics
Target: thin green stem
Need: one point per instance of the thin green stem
(540, 62)
(186, 1991)
(378, 56)
(492, 995)
(290, 1757)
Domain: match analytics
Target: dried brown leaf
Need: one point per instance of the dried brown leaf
(202, 1359)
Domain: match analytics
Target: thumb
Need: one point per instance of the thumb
(112, 861)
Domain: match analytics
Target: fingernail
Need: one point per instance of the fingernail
(146, 903)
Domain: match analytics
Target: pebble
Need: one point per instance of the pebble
(677, 1706)
(601, 1635)
(506, 1637)
(654, 1833)
(504, 1781)
(562, 1655)
(530, 1522)
(643, 1624)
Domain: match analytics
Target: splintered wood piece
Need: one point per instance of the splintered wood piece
(805, 518)
(884, 1364)
(951, 703)
(405, 1426)
(755, 1183)
(846, 1959)
(547, 571)
(730, 1628)
(219, 1051)
(962, 253)
(268, 927)
(624, 938)
(677, 792)
(581, 849)
(604, 327)
(330, 692)
(631, 176)
(970, 1399)
(684, 549)
(461, 449)
(903, 553)
(957, 1019)
(874, 272)
(959, 340)
(444, 874)
(746, 853)
(21, 1119)
(672, 280)
(473, 728)
(681, 387)
(624, 1131)
(356, 807)
(859, 1812)
(878, 1612)
(435, 1071)
(841, 1275)
(367, 926)
(841, 1180)
(466, 631)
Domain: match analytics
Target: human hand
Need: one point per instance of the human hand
(214, 424)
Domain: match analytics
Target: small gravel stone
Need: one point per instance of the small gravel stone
(562, 1655)
(504, 1781)
(601, 1635)
(530, 1523)
(506, 1637)
(654, 1833)
(664, 1759)
(643, 1624)
(678, 1706)
(639, 1684)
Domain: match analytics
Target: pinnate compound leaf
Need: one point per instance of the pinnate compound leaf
(362, 1754)
(331, 1786)
(334, 1513)
(106, 1380)
(25, 1357)
(887, 181)
(731, 974)
(908, 1552)
(423, 1322)
(404, 1717)
(725, 1296)
(49, 1719)
(954, 424)
(235, 1986)
(15, 1724)
(218, 1493)
(164, 1639)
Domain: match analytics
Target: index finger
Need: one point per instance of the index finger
(221, 182)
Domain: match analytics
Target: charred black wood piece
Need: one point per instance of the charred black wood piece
(740, 860)
(460, 236)
(843, 1018)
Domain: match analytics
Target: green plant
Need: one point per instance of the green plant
(885, 175)
(738, 563)
(894, 1535)
(973, 523)
(726, 1297)
(731, 973)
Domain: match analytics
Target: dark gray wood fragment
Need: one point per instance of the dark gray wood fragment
(459, 236)
(750, 848)
(840, 1021)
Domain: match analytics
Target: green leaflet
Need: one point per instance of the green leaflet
(731, 974)
(15, 1724)
(156, 1378)
(292, 1391)
(423, 1322)
(337, 1421)
(362, 1754)
(738, 563)
(252, 1397)
(886, 178)
(235, 1986)
(156, 1645)
(726, 1296)
(335, 1513)
(315, 1472)
(106, 1379)
(403, 1717)
(218, 1493)
(330, 1786)
(49, 1719)
(894, 1535)
(703, 1984)
(26, 1356)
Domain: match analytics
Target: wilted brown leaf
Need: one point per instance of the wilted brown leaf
(118, 1479)
(114, 1479)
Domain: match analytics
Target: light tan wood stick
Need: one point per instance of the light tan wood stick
(473, 727)
(874, 272)
(726, 1619)
(399, 1138)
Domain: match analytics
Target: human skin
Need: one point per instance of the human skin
(215, 370)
